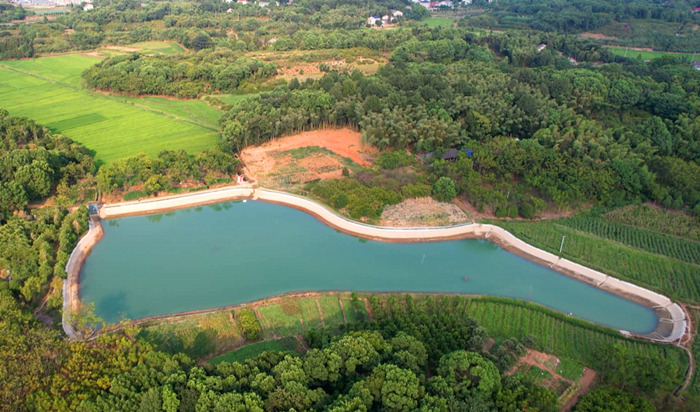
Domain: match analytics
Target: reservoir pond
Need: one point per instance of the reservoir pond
(235, 252)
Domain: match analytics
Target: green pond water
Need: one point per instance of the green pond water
(236, 252)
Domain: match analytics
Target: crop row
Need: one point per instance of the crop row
(554, 333)
(677, 279)
(653, 242)
(657, 220)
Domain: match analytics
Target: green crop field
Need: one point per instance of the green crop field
(647, 55)
(657, 220)
(158, 47)
(288, 344)
(309, 312)
(195, 111)
(196, 335)
(438, 21)
(63, 69)
(112, 128)
(234, 98)
(675, 278)
(331, 310)
(555, 333)
(279, 322)
(654, 242)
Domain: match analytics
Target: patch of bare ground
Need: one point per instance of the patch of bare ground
(488, 213)
(273, 165)
(596, 36)
(424, 211)
(549, 363)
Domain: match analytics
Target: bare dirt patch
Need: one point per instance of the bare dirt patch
(596, 36)
(572, 390)
(423, 212)
(284, 161)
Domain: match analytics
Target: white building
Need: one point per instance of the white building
(88, 7)
(373, 20)
(396, 13)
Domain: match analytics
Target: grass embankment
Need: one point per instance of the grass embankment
(653, 256)
(47, 90)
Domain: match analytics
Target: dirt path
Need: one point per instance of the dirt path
(342, 310)
(320, 313)
(586, 383)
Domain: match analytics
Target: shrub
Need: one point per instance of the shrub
(527, 210)
(394, 160)
(249, 323)
(501, 212)
(339, 200)
(416, 190)
(512, 211)
(444, 189)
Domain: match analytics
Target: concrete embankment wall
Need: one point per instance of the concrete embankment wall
(672, 322)
(71, 286)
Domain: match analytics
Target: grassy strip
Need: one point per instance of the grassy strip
(674, 278)
(288, 344)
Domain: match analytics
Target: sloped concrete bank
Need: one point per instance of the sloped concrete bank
(71, 286)
(672, 319)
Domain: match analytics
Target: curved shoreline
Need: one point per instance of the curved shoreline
(672, 321)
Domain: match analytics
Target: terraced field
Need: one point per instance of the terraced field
(47, 90)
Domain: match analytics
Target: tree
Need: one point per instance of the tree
(395, 388)
(469, 374)
(444, 189)
(249, 323)
(611, 399)
(201, 41)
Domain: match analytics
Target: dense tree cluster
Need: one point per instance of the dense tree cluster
(538, 129)
(34, 252)
(184, 76)
(34, 161)
(664, 25)
(168, 170)
(9, 12)
(583, 15)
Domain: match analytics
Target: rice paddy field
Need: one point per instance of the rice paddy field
(48, 91)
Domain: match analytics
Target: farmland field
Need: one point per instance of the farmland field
(646, 54)
(675, 278)
(288, 344)
(195, 111)
(112, 128)
(438, 21)
(63, 69)
(547, 330)
(659, 243)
